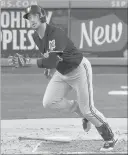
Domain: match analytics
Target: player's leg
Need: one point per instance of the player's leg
(56, 93)
(84, 90)
(75, 109)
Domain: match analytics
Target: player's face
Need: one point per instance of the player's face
(34, 20)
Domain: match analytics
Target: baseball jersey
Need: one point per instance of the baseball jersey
(55, 39)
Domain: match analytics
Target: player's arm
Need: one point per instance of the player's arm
(19, 60)
(54, 56)
(49, 58)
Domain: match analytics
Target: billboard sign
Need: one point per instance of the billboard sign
(107, 33)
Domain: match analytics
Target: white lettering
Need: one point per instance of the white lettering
(5, 19)
(25, 3)
(2, 3)
(98, 34)
(18, 3)
(22, 39)
(48, 18)
(107, 32)
(123, 3)
(24, 22)
(117, 28)
(7, 38)
(119, 3)
(113, 4)
(15, 40)
(85, 35)
(1, 37)
(15, 19)
(9, 3)
(37, 47)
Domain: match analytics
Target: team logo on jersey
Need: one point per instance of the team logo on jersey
(52, 45)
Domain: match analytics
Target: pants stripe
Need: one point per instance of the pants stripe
(89, 92)
(91, 109)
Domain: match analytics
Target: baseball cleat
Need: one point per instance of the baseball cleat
(86, 125)
(109, 145)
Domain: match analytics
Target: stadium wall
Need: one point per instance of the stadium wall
(98, 28)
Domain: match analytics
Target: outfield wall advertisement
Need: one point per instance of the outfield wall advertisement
(97, 32)
(102, 32)
(16, 34)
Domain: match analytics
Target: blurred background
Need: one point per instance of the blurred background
(97, 27)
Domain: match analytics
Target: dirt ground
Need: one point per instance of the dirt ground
(80, 140)
(14, 146)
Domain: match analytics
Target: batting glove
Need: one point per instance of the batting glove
(18, 60)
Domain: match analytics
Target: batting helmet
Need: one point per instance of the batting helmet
(34, 9)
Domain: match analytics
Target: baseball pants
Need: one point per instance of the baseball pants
(80, 79)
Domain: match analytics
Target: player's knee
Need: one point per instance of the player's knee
(46, 103)
(50, 104)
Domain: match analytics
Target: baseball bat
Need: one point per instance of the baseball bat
(55, 139)
(32, 138)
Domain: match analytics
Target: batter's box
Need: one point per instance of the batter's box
(77, 147)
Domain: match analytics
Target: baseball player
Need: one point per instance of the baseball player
(73, 71)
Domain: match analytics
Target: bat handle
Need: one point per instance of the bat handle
(29, 138)
(24, 138)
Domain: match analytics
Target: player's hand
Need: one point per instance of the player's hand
(18, 60)
(46, 55)
(10, 60)
(13, 61)
(47, 73)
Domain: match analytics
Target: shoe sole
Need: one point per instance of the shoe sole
(111, 148)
